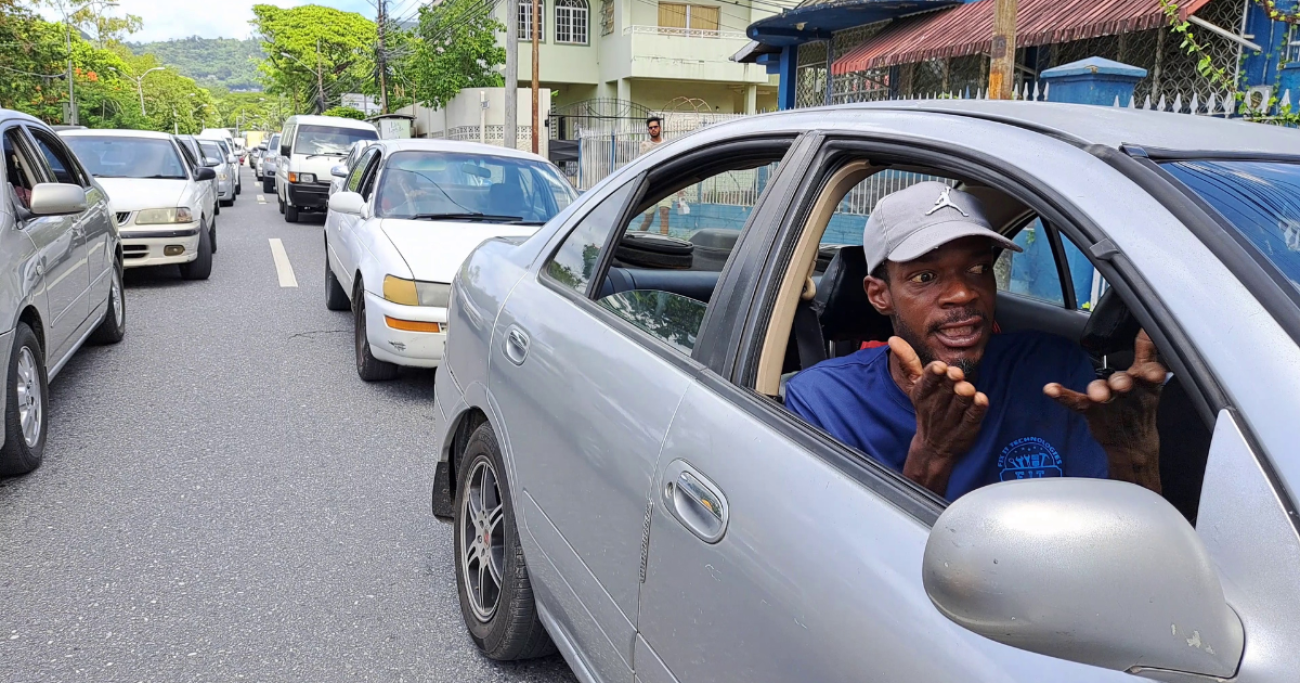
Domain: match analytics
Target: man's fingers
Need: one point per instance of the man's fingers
(1120, 382)
(975, 411)
(907, 358)
(932, 378)
(1099, 391)
(1144, 350)
(1070, 399)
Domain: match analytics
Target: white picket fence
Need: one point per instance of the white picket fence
(1212, 105)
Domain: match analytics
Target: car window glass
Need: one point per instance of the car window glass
(574, 263)
(353, 183)
(63, 168)
(369, 175)
(1033, 273)
(190, 154)
(428, 185)
(19, 172)
(129, 157)
(211, 149)
(850, 217)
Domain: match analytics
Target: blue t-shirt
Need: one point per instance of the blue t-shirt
(1024, 435)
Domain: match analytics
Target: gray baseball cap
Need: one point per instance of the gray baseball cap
(910, 222)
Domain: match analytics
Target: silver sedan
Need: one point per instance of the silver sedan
(627, 486)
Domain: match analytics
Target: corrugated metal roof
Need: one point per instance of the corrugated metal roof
(968, 29)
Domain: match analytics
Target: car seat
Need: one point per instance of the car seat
(1184, 437)
(845, 315)
(507, 199)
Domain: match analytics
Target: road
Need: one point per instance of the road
(223, 499)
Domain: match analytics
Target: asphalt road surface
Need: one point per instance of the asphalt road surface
(223, 499)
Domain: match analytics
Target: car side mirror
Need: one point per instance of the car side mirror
(284, 150)
(1095, 571)
(232, 158)
(205, 173)
(349, 203)
(339, 171)
(211, 162)
(57, 199)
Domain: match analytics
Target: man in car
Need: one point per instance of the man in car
(951, 404)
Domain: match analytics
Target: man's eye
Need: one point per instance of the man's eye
(922, 278)
(980, 269)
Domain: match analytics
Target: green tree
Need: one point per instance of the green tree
(345, 112)
(457, 49)
(311, 46)
(229, 63)
(97, 19)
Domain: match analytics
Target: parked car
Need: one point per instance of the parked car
(267, 166)
(309, 147)
(340, 172)
(159, 200)
(255, 159)
(241, 149)
(194, 157)
(613, 446)
(409, 213)
(60, 282)
(214, 158)
(231, 158)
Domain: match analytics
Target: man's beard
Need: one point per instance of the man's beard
(969, 367)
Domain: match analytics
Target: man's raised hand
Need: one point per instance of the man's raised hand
(949, 412)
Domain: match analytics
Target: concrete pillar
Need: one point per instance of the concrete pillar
(625, 90)
(1092, 81)
(751, 99)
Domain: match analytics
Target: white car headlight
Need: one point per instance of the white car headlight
(180, 214)
(434, 294)
(306, 177)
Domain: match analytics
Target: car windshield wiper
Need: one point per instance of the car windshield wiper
(327, 154)
(460, 217)
(523, 222)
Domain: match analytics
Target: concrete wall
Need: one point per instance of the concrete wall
(464, 111)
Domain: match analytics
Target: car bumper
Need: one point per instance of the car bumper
(413, 349)
(226, 189)
(142, 248)
(314, 196)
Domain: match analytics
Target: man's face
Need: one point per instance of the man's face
(942, 304)
(654, 128)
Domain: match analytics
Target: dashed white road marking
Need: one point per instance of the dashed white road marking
(261, 199)
(283, 269)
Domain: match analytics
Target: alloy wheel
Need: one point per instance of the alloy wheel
(483, 541)
(115, 297)
(29, 397)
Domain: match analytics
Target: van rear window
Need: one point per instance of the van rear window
(316, 139)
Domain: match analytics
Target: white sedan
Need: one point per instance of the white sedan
(408, 214)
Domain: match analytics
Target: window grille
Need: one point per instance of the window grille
(571, 22)
(526, 20)
(606, 17)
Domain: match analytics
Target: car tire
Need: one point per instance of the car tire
(212, 236)
(290, 214)
(216, 208)
(369, 368)
(113, 327)
(492, 582)
(226, 202)
(28, 387)
(267, 187)
(280, 199)
(239, 189)
(336, 298)
(201, 267)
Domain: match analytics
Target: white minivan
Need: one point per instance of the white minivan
(309, 147)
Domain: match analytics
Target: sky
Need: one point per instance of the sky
(167, 19)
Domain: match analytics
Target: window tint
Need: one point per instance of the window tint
(1033, 273)
(64, 168)
(420, 184)
(330, 140)
(18, 170)
(1260, 200)
(128, 157)
(353, 183)
(574, 263)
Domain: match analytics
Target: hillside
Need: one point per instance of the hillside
(228, 62)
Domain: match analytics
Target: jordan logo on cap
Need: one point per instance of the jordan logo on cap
(945, 201)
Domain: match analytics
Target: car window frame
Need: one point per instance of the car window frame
(370, 175)
(643, 181)
(55, 143)
(1180, 355)
(359, 171)
(25, 147)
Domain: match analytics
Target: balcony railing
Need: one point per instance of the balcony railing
(683, 32)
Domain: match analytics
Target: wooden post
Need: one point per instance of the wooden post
(1002, 69)
(537, 20)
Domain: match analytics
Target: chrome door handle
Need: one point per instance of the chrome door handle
(40, 269)
(516, 345)
(696, 502)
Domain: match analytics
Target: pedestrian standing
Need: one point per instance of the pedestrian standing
(655, 127)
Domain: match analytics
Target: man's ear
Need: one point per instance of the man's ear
(879, 295)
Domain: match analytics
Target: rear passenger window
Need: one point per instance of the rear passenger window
(1033, 272)
(670, 249)
(64, 168)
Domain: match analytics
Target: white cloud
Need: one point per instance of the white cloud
(167, 19)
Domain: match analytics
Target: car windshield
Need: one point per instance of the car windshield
(123, 157)
(212, 149)
(1260, 199)
(470, 187)
(274, 146)
(328, 139)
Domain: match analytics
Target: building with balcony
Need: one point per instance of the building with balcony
(658, 55)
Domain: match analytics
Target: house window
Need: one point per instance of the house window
(526, 20)
(674, 15)
(571, 21)
(606, 17)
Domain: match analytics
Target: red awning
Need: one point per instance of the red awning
(968, 29)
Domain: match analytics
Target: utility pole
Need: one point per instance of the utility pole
(320, 82)
(72, 100)
(1002, 69)
(537, 24)
(511, 113)
(382, 61)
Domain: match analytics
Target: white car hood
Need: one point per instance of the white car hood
(434, 250)
(133, 194)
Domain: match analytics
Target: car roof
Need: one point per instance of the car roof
(1089, 124)
(116, 133)
(425, 145)
(338, 121)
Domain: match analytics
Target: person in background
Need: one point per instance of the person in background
(655, 127)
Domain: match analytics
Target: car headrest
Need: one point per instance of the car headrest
(841, 302)
(1111, 328)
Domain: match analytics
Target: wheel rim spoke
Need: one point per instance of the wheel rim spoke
(483, 539)
(28, 395)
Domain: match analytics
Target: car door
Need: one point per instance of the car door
(589, 362)
(342, 228)
(94, 224)
(61, 250)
